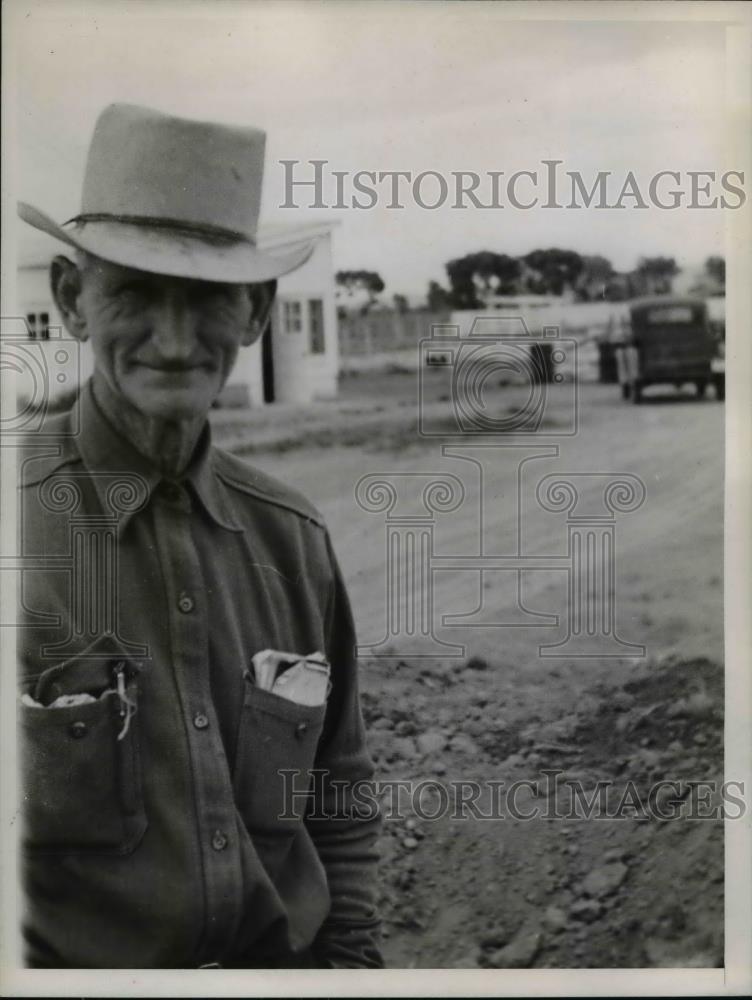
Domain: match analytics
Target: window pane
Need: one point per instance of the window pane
(316, 325)
(292, 317)
(673, 314)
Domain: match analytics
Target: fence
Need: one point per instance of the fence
(387, 338)
(385, 331)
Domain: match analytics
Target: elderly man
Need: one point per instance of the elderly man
(189, 694)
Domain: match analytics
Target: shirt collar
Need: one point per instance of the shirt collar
(208, 486)
(125, 479)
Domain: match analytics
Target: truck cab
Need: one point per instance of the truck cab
(668, 340)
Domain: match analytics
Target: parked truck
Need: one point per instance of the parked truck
(669, 340)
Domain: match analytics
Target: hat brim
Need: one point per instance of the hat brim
(170, 251)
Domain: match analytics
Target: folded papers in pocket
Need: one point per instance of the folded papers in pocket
(303, 680)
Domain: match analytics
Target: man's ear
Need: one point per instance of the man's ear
(262, 299)
(66, 284)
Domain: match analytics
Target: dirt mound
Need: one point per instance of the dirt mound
(565, 872)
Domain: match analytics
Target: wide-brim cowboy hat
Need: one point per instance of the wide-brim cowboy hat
(172, 196)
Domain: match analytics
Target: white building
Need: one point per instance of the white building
(296, 361)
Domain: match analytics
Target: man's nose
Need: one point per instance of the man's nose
(175, 327)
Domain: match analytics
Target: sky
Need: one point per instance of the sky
(389, 86)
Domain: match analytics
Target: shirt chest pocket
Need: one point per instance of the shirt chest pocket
(276, 751)
(81, 776)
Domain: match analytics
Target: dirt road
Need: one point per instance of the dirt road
(668, 552)
(543, 892)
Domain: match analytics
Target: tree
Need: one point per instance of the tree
(438, 299)
(475, 276)
(552, 271)
(715, 268)
(369, 283)
(401, 305)
(656, 275)
(594, 279)
(711, 281)
(618, 288)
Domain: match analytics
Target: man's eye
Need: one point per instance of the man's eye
(204, 293)
(133, 289)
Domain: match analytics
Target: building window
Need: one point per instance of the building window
(38, 325)
(316, 325)
(292, 317)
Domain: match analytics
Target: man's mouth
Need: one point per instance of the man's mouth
(171, 368)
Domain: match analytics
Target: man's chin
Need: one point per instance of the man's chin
(171, 395)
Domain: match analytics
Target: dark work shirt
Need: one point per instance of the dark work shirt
(159, 831)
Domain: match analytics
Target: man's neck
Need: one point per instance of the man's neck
(168, 445)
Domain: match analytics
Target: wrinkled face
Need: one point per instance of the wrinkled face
(166, 345)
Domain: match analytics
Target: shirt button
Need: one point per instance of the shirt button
(301, 729)
(219, 841)
(186, 604)
(78, 730)
(200, 721)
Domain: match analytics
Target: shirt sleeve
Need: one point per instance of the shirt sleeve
(343, 819)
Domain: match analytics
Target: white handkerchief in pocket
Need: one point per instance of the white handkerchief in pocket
(300, 679)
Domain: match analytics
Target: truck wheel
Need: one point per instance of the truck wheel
(720, 387)
(636, 392)
(625, 390)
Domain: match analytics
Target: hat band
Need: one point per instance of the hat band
(179, 226)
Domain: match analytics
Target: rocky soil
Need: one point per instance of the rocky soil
(634, 891)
